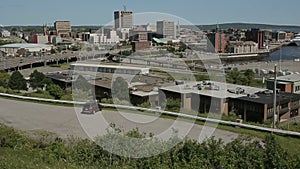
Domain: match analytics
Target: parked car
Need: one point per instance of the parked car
(91, 107)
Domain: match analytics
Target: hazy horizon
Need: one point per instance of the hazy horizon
(93, 12)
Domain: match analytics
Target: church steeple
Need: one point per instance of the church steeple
(217, 28)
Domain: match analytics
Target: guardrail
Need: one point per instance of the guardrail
(41, 99)
(286, 132)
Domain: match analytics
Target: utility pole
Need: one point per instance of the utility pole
(274, 99)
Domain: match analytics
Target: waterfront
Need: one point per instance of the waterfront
(287, 53)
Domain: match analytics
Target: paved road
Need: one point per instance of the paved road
(67, 121)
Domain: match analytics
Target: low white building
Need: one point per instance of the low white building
(12, 49)
(113, 37)
(4, 33)
(94, 38)
(243, 47)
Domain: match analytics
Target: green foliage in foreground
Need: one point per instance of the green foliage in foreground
(292, 126)
(20, 151)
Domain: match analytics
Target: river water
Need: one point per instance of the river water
(286, 52)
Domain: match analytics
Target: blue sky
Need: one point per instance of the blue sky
(97, 12)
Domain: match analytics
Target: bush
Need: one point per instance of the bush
(3, 89)
(145, 105)
(107, 100)
(55, 91)
(11, 138)
(67, 97)
(10, 91)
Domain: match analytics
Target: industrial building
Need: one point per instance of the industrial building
(207, 96)
(258, 107)
(288, 83)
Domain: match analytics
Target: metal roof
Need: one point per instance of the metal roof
(24, 45)
(223, 90)
(288, 78)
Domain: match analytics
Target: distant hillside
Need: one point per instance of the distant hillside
(288, 28)
(251, 25)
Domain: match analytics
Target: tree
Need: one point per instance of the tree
(233, 76)
(173, 105)
(120, 89)
(275, 155)
(52, 51)
(55, 91)
(4, 78)
(182, 47)
(37, 79)
(249, 74)
(17, 81)
(237, 77)
(82, 84)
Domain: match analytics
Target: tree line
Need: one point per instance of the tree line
(37, 81)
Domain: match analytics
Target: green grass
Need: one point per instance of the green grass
(39, 101)
(292, 126)
(40, 95)
(32, 159)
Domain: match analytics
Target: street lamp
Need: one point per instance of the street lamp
(274, 99)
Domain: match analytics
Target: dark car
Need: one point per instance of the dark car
(91, 107)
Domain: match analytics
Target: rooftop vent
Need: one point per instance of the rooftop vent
(237, 90)
(187, 87)
(179, 82)
(215, 87)
(268, 92)
(253, 96)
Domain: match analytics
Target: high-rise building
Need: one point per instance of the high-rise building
(218, 40)
(256, 35)
(63, 28)
(123, 19)
(166, 29)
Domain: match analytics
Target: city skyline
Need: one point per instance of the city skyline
(34, 12)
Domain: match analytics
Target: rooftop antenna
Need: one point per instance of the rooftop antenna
(178, 28)
(124, 6)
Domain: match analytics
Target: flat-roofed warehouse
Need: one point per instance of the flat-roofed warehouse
(207, 96)
(258, 107)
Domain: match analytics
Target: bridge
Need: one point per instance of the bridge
(18, 63)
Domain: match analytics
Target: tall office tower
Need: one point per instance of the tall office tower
(63, 28)
(166, 29)
(123, 19)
